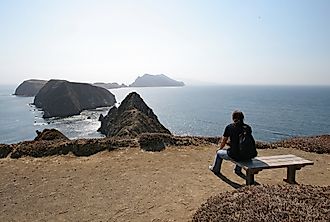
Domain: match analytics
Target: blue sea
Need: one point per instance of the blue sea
(274, 112)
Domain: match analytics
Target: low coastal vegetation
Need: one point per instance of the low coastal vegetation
(52, 142)
(268, 203)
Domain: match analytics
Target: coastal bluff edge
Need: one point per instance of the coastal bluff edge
(147, 141)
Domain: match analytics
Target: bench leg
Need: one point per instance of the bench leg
(291, 175)
(249, 177)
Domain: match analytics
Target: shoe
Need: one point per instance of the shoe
(215, 172)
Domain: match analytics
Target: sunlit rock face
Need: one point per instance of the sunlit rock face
(60, 98)
(29, 87)
(132, 118)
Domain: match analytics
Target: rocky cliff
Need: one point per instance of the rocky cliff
(132, 118)
(60, 98)
(148, 80)
(29, 87)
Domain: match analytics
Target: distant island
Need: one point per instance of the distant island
(29, 87)
(148, 80)
(113, 85)
(61, 98)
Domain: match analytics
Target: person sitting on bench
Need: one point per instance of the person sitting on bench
(232, 148)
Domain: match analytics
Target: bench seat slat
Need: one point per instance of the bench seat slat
(276, 157)
(294, 158)
(275, 165)
(274, 162)
(279, 161)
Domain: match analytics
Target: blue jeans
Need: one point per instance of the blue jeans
(222, 155)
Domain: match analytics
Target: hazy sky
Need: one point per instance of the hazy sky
(223, 42)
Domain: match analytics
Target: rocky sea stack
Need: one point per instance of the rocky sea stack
(60, 98)
(132, 118)
(29, 87)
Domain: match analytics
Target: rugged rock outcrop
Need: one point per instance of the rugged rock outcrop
(5, 150)
(148, 80)
(60, 98)
(132, 118)
(29, 87)
(50, 134)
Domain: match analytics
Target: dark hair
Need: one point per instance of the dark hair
(238, 117)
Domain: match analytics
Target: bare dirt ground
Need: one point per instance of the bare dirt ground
(129, 184)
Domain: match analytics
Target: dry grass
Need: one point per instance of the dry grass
(268, 203)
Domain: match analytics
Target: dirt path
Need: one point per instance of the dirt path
(128, 185)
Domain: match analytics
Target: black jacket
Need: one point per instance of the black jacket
(233, 131)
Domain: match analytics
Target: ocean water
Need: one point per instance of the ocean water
(274, 112)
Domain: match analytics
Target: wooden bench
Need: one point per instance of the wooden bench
(291, 162)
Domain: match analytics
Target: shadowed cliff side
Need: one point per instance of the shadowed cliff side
(29, 87)
(132, 118)
(60, 98)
